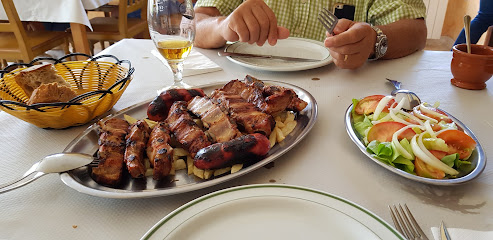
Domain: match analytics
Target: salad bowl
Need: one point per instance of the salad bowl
(478, 157)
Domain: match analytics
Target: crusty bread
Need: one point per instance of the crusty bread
(32, 77)
(50, 93)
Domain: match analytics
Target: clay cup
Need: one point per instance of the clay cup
(471, 70)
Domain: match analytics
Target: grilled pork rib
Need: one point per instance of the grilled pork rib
(159, 152)
(135, 148)
(186, 131)
(111, 150)
(269, 99)
(246, 115)
(220, 128)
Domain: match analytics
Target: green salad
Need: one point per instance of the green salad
(424, 141)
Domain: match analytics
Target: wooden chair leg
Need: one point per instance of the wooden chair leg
(66, 47)
(4, 63)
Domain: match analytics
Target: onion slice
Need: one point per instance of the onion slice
(383, 102)
(425, 109)
(430, 160)
(420, 115)
(398, 145)
(429, 129)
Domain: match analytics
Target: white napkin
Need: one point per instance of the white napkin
(196, 63)
(463, 234)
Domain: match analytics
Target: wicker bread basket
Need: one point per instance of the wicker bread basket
(98, 84)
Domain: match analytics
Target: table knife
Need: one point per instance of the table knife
(443, 232)
(247, 55)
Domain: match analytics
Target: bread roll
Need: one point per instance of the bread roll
(50, 93)
(32, 77)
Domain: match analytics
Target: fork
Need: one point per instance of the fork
(406, 224)
(55, 163)
(328, 20)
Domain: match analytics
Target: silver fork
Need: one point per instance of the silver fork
(328, 20)
(405, 223)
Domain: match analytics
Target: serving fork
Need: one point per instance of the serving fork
(405, 223)
(55, 163)
(328, 20)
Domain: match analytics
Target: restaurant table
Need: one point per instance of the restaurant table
(326, 159)
(59, 11)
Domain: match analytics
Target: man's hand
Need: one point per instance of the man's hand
(351, 44)
(253, 22)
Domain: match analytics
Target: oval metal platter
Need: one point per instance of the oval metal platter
(87, 142)
(478, 157)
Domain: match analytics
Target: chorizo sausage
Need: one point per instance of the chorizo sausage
(244, 149)
(159, 107)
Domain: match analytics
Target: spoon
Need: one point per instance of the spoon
(412, 100)
(55, 163)
(467, 29)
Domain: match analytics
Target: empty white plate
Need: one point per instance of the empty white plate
(290, 47)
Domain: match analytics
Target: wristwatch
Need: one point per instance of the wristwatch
(380, 44)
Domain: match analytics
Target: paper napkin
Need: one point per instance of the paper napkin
(463, 234)
(196, 63)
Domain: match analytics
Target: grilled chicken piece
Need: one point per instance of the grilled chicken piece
(186, 131)
(159, 152)
(111, 150)
(220, 128)
(246, 115)
(136, 142)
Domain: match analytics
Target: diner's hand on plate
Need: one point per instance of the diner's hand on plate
(253, 22)
(351, 44)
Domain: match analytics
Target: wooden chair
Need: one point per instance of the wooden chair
(116, 28)
(489, 38)
(17, 44)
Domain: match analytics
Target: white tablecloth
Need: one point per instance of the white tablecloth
(326, 159)
(61, 11)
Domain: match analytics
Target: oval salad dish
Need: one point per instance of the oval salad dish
(471, 168)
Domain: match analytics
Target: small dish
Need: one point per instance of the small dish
(478, 157)
(290, 47)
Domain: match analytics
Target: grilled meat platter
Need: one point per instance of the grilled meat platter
(188, 137)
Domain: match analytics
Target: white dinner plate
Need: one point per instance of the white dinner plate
(87, 142)
(290, 47)
(271, 211)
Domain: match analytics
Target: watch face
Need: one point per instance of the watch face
(383, 46)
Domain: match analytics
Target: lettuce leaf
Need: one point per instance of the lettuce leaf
(363, 126)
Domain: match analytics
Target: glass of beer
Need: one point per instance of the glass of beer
(172, 28)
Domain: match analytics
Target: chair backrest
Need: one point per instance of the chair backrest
(14, 25)
(128, 6)
(489, 37)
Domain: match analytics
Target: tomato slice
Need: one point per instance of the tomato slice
(368, 104)
(383, 131)
(458, 142)
(424, 170)
(438, 154)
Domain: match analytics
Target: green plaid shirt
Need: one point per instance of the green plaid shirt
(300, 16)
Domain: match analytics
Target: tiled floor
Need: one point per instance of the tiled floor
(443, 44)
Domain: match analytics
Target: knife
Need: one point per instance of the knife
(443, 232)
(247, 55)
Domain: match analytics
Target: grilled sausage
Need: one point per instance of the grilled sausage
(158, 109)
(244, 149)
(159, 152)
(136, 142)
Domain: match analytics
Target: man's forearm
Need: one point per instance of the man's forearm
(208, 34)
(405, 36)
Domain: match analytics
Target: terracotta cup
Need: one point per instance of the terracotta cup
(471, 70)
